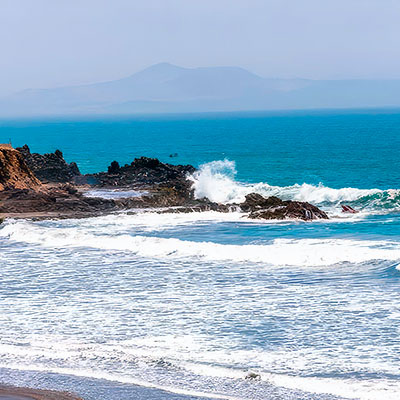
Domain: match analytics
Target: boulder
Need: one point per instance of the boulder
(260, 207)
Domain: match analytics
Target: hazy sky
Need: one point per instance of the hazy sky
(47, 43)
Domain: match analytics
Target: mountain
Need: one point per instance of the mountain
(168, 88)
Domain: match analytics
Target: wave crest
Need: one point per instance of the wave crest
(278, 252)
(216, 181)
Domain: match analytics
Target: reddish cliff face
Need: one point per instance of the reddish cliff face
(14, 173)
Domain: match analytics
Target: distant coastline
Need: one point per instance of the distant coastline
(168, 89)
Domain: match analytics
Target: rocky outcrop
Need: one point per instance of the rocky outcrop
(260, 207)
(142, 171)
(50, 167)
(147, 172)
(55, 202)
(256, 207)
(166, 187)
(14, 172)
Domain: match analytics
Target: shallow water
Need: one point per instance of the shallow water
(191, 303)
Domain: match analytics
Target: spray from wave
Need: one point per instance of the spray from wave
(216, 181)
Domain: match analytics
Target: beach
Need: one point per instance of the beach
(15, 393)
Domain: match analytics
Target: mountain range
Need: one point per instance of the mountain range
(167, 88)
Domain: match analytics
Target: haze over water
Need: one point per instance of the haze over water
(193, 302)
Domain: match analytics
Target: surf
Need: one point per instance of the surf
(216, 180)
(277, 252)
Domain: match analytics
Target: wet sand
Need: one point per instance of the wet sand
(14, 398)
(16, 393)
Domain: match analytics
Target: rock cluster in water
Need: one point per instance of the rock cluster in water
(46, 185)
(260, 207)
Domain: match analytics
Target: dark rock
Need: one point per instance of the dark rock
(58, 153)
(146, 162)
(49, 167)
(54, 200)
(113, 168)
(260, 207)
(70, 189)
(253, 376)
(169, 180)
(255, 201)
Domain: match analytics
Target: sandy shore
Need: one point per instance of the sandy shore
(15, 393)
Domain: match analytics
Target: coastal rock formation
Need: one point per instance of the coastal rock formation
(142, 171)
(50, 167)
(147, 172)
(14, 173)
(260, 207)
(53, 202)
(165, 187)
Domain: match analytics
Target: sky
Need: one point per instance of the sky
(51, 43)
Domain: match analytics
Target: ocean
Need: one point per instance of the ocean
(181, 306)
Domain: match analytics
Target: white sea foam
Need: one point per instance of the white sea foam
(352, 389)
(279, 252)
(114, 193)
(86, 360)
(216, 180)
(154, 221)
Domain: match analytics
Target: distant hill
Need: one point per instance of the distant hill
(169, 88)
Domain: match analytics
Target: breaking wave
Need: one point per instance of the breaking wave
(216, 181)
(278, 252)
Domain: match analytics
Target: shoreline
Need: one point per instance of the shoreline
(46, 385)
(23, 393)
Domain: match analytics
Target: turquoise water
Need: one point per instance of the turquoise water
(191, 303)
(339, 150)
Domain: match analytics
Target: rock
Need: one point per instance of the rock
(253, 376)
(260, 207)
(14, 172)
(50, 167)
(55, 200)
(113, 168)
(255, 201)
(146, 162)
(147, 172)
(70, 189)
